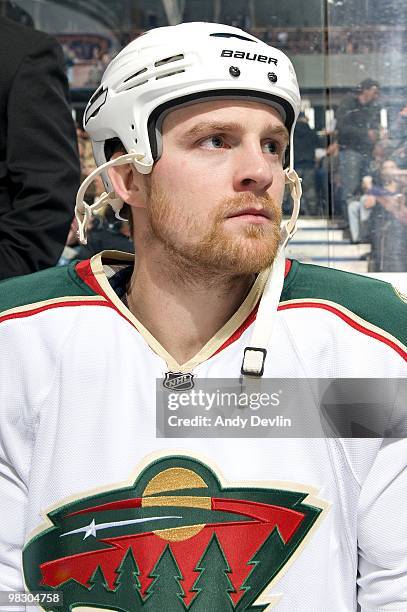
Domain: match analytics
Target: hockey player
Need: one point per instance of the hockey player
(192, 128)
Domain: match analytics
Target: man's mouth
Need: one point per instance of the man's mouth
(251, 214)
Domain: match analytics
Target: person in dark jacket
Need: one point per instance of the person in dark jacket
(306, 142)
(39, 164)
(358, 130)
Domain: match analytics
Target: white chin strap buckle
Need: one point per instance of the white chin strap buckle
(253, 361)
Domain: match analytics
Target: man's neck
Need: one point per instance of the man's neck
(183, 310)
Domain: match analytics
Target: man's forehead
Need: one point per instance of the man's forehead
(222, 112)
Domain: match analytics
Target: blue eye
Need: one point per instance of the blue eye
(213, 142)
(271, 147)
(216, 141)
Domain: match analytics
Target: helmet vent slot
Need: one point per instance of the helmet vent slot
(96, 95)
(134, 85)
(162, 76)
(230, 35)
(95, 104)
(167, 60)
(135, 74)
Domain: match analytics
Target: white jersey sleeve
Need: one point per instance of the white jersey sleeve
(13, 495)
(26, 372)
(16, 437)
(382, 531)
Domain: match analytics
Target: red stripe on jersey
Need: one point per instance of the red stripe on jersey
(236, 335)
(85, 272)
(34, 311)
(349, 321)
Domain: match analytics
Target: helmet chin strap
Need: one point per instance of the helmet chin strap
(255, 354)
(84, 211)
(294, 182)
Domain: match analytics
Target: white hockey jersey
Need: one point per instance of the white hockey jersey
(95, 506)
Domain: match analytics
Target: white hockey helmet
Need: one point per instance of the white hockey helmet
(175, 66)
(179, 65)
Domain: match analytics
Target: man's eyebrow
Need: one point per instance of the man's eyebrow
(213, 126)
(230, 126)
(280, 130)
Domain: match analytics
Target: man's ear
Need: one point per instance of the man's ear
(127, 183)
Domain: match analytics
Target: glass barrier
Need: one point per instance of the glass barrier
(368, 108)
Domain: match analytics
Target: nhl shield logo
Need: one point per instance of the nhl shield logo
(177, 381)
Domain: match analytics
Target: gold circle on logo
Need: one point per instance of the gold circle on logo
(176, 479)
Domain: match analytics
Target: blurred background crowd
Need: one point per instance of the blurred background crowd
(351, 136)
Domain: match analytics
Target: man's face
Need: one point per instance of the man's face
(214, 197)
(371, 94)
(388, 170)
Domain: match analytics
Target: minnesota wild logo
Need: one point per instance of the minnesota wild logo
(177, 540)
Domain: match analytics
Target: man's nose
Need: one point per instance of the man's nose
(253, 171)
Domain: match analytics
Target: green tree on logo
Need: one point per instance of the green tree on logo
(267, 557)
(74, 593)
(127, 584)
(166, 592)
(99, 593)
(213, 584)
(98, 581)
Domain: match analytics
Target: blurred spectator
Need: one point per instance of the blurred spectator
(39, 166)
(327, 177)
(400, 137)
(359, 212)
(360, 207)
(282, 38)
(358, 122)
(306, 142)
(388, 220)
(72, 245)
(88, 165)
(107, 233)
(70, 61)
(97, 69)
(85, 152)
